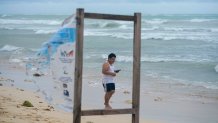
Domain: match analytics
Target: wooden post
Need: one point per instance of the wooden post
(78, 66)
(136, 67)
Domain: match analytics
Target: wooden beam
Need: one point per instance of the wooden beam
(136, 67)
(109, 16)
(107, 112)
(78, 66)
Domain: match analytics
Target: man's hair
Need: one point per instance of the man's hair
(111, 55)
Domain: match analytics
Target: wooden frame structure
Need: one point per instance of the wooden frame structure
(77, 112)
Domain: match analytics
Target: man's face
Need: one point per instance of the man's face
(111, 60)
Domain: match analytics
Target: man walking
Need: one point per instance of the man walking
(108, 79)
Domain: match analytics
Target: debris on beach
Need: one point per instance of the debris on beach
(27, 104)
(93, 83)
(37, 74)
(6, 79)
(26, 80)
(19, 89)
(158, 99)
(47, 109)
(128, 101)
(126, 92)
(50, 108)
(18, 106)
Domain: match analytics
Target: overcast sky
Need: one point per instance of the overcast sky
(109, 6)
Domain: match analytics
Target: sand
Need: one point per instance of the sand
(12, 111)
(158, 104)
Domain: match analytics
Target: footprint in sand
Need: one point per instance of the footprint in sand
(89, 122)
(128, 101)
(3, 112)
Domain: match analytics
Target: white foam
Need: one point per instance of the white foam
(45, 31)
(109, 25)
(216, 68)
(199, 36)
(34, 50)
(172, 36)
(124, 59)
(125, 27)
(9, 48)
(155, 21)
(186, 29)
(96, 33)
(179, 29)
(160, 58)
(201, 20)
(214, 30)
(35, 28)
(208, 85)
(15, 60)
(23, 21)
(4, 15)
(7, 28)
(151, 29)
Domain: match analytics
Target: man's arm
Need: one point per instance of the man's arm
(105, 70)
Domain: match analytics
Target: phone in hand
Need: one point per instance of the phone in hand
(117, 71)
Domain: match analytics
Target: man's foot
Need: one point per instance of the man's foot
(108, 107)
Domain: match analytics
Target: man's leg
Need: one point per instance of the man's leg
(107, 98)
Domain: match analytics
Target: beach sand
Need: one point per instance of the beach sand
(156, 105)
(12, 111)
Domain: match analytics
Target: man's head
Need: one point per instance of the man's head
(111, 58)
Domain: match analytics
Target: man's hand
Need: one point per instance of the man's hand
(113, 74)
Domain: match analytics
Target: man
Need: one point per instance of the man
(108, 79)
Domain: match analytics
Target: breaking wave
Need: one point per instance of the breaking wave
(201, 20)
(164, 58)
(25, 22)
(9, 48)
(216, 68)
(155, 36)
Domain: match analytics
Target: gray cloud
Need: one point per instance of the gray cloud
(112, 6)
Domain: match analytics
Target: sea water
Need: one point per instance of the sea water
(180, 48)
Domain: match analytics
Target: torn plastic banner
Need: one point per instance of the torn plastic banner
(59, 54)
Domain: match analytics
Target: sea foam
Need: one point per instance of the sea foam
(201, 20)
(216, 68)
(23, 21)
(160, 58)
(45, 31)
(155, 21)
(9, 48)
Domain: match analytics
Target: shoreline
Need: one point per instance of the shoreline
(158, 103)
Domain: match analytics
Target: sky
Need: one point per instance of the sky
(109, 6)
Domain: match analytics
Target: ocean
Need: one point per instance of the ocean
(176, 49)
